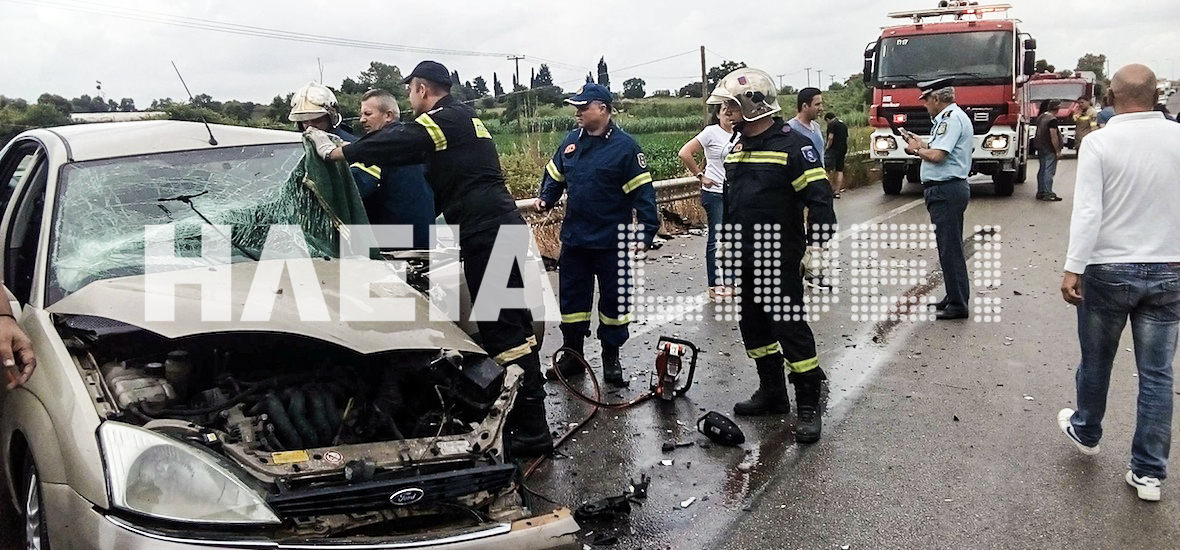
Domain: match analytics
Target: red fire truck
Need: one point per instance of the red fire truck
(1065, 90)
(989, 59)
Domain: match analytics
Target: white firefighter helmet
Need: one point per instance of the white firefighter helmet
(311, 102)
(753, 90)
(720, 93)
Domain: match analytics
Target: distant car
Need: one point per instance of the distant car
(236, 433)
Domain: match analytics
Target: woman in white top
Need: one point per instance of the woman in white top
(714, 141)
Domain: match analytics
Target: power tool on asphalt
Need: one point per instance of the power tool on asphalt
(670, 367)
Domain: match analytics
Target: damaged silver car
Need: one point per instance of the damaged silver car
(238, 432)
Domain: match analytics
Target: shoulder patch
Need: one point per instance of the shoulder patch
(642, 160)
(810, 153)
(569, 149)
(941, 128)
(786, 128)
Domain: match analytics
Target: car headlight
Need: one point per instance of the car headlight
(884, 143)
(154, 475)
(995, 142)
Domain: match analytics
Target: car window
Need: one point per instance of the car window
(24, 230)
(14, 167)
(104, 209)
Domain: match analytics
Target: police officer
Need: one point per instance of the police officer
(315, 106)
(463, 168)
(772, 174)
(605, 173)
(393, 195)
(946, 164)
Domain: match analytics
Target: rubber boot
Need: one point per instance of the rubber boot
(807, 394)
(569, 365)
(612, 368)
(771, 396)
(527, 428)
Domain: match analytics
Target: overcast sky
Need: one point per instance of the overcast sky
(49, 45)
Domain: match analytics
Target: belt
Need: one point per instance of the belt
(941, 182)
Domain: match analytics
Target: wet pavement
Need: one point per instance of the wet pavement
(937, 434)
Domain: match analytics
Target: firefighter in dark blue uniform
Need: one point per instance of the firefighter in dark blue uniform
(772, 175)
(604, 172)
(463, 169)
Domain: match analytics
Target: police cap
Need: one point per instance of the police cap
(932, 86)
(432, 71)
(590, 92)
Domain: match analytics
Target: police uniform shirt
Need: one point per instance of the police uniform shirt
(462, 165)
(952, 133)
(606, 178)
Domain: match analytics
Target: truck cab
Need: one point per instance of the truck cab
(988, 57)
(1065, 90)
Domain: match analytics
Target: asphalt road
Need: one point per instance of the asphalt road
(937, 434)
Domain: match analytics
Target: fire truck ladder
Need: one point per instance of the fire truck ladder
(957, 9)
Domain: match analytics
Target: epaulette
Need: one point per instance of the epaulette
(786, 128)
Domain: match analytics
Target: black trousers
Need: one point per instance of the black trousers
(947, 203)
(772, 312)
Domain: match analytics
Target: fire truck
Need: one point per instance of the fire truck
(988, 57)
(1065, 90)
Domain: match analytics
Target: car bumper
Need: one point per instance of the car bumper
(75, 523)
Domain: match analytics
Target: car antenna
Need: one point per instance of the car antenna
(212, 140)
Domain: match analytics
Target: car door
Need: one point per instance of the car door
(23, 168)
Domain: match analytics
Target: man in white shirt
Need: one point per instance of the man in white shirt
(1124, 261)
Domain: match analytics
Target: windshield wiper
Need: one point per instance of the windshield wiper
(908, 77)
(188, 199)
(975, 75)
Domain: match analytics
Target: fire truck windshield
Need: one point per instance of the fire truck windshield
(973, 56)
(1038, 91)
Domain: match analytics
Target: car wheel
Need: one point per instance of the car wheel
(1005, 183)
(33, 508)
(891, 181)
(1022, 172)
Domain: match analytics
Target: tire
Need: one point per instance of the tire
(892, 180)
(32, 508)
(1022, 172)
(1005, 183)
(913, 173)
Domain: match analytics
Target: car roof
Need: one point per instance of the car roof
(120, 139)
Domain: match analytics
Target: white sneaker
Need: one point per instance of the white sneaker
(1063, 422)
(1148, 487)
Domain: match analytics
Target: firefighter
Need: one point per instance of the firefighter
(772, 174)
(605, 173)
(314, 106)
(463, 168)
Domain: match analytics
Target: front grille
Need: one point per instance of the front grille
(918, 120)
(375, 495)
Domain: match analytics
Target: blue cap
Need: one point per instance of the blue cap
(432, 71)
(591, 92)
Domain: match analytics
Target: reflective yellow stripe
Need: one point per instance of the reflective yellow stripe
(814, 174)
(513, 354)
(804, 365)
(760, 157)
(771, 349)
(582, 316)
(374, 171)
(626, 318)
(481, 131)
(436, 133)
(554, 172)
(637, 181)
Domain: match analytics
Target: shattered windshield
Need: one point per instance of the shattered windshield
(965, 56)
(103, 207)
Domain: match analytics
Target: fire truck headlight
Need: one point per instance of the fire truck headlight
(884, 143)
(995, 142)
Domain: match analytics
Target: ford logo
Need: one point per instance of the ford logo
(406, 497)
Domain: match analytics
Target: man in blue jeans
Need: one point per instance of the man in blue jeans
(1048, 144)
(1124, 261)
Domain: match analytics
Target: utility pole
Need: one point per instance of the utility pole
(704, 88)
(819, 77)
(780, 80)
(516, 59)
(808, 69)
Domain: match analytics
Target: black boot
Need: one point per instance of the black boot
(527, 430)
(571, 366)
(771, 396)
(807, 393)
(612, 368)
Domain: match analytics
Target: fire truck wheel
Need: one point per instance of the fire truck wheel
(891, 181)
